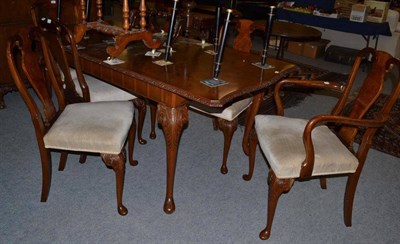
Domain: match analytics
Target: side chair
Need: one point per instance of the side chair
(79, 87)
(101, 127)
(298, 149)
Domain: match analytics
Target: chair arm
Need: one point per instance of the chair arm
(308, 163)
(327, 85)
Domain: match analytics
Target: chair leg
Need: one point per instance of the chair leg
(131, 143)
(46, 173)
(153, 113)
(276, 188)
(228, 128)
(63, 161)
(141, 107)
(322, 182)
(82, 158)
(253, 141)
(351, 186)
(215, 123)
(117, 162)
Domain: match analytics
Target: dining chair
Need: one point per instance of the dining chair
(101, 127)
(299, 149)
(79, 87)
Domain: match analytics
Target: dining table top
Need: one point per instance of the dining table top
(191, 64)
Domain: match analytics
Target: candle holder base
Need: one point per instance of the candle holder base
(214, 82)
(261, 66)
(162, 62)
(211, 52)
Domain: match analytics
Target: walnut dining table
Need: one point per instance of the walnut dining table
(176, 85)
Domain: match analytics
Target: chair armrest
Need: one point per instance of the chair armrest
(308, 163)
(327, 85)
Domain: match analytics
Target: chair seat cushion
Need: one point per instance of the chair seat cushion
(232, 111)
(281, 140)
(100, 127)
(101, 91)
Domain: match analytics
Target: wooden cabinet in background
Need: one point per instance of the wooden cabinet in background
(15, 14)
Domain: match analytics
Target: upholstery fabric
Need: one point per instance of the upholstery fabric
(100, 127)
(232, 111)
(281, 140)
(100, 90)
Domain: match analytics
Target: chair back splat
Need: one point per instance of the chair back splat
(33, 66)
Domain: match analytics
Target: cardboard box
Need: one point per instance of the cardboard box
(343, 7)
(295, 47)
(315, 49)
(308, 49)
(377, 11)
(359, 13)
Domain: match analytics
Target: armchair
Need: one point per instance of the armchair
(298, 149)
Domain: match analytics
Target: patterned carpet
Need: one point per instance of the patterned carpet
(387, 139)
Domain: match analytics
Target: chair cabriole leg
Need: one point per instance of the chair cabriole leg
(153, 113)
(276, 188)
(131, 142)
(141, 107)
(228, 128)
(117, 162)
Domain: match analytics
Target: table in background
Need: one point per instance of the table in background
(174, 86)
(287, 31)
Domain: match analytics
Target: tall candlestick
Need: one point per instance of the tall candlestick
(217, 24)
(87, 10)
(170, 32)
(268, 30)
(218, 62)
(58, 10)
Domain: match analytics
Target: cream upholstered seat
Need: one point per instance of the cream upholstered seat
(231, 112)
(282, 144)
(100, 127)
(298, 149)
(99, 90)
